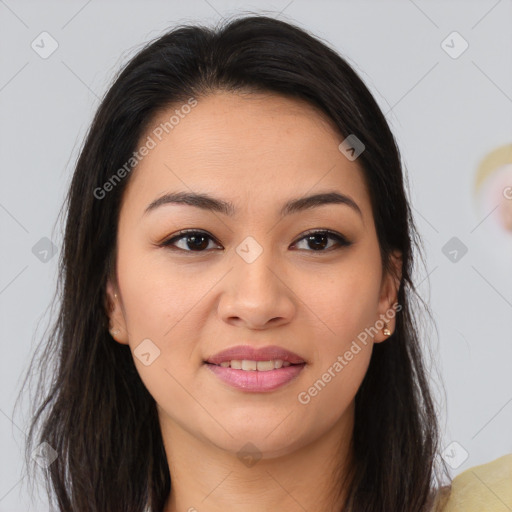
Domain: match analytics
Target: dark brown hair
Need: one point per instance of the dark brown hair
(96, 413)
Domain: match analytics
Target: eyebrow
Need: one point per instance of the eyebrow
(209, 203)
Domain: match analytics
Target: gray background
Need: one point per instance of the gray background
(447, 114)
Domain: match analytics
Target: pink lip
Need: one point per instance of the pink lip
(254, 380)
(255, 354)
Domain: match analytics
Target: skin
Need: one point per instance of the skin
(257, 151)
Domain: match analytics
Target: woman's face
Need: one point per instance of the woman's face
(251, 276)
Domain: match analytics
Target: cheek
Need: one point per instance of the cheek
(341, 336)
(158, 295)
(344, 299)
(331, 388)
(161, 305)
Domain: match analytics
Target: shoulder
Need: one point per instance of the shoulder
(487, 487)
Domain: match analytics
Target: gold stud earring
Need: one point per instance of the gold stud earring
(386, 330)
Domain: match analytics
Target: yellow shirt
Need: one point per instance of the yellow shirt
(484, 488)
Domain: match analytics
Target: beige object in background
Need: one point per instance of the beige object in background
(483, 488)
(493, 185)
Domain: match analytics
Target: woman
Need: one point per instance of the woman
(237, 327)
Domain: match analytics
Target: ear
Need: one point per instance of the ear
(115, 313)
(387, 309)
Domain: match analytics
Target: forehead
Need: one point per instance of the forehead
(255, 150)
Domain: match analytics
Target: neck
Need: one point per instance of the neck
(205, 477)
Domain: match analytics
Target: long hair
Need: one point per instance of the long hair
(96, 413)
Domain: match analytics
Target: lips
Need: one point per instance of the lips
(248, 352)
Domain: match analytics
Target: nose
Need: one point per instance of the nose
(256, 294)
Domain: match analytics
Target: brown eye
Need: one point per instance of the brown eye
(319, 240)
(194, 241)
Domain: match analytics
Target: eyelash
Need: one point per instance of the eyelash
(342, 241)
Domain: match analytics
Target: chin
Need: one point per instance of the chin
(270, 438)
(259, 445)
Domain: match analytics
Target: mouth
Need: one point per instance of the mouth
(247, 357)
(255, 370)
(252, 365)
